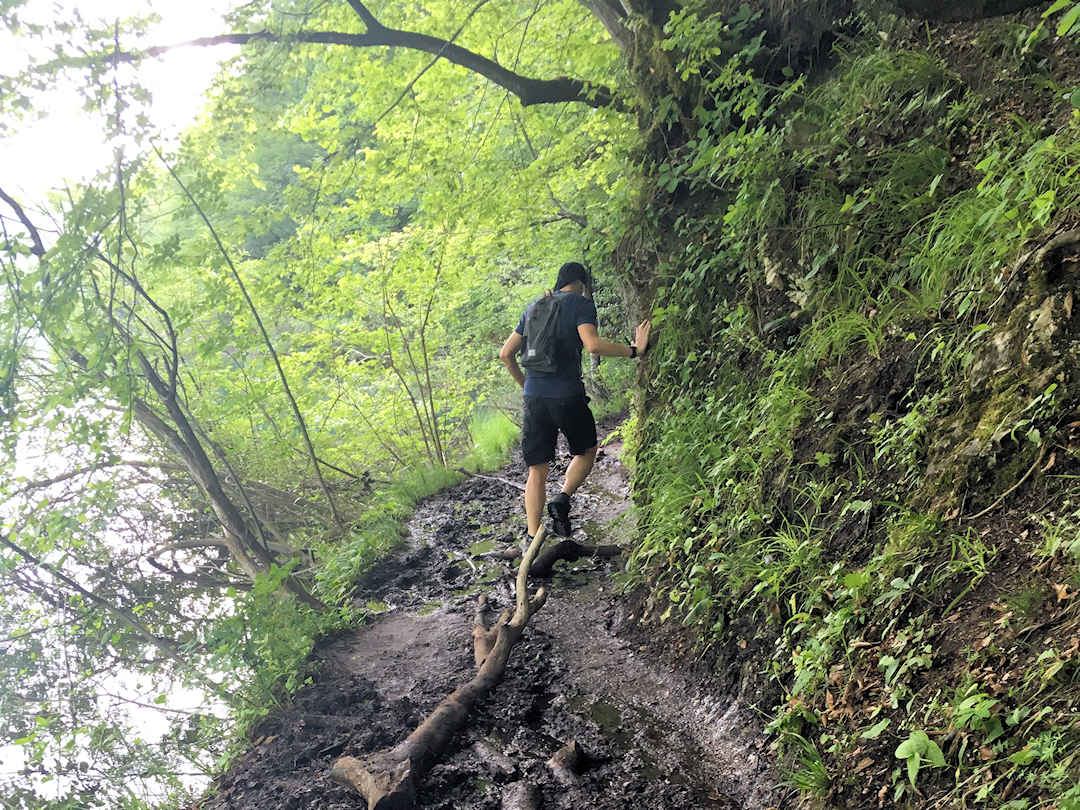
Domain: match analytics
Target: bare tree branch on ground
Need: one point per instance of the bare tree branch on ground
(388, 779)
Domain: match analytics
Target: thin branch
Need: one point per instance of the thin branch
(266, 339)
(167, 647)
(37, 249)
(101, 465)
(1012, 489)
(151, 705)
(357, 6)
(401, 377)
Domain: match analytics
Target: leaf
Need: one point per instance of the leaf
(1053, 670)
(889, 665)
(913, 768)
(1065, 24)
(856, 580)
(875, 730)
(934, 755)
(906, 749)
(1025, 756)
(1063, 592)
(1056, 7)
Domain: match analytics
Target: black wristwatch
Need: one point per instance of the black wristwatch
(633, 351)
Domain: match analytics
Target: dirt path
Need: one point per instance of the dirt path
(655, 735)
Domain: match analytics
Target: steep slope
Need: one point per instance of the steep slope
(856, 456)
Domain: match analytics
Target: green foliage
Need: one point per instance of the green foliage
(1069, 21)
(917, 751)
(379, 529)
(838, 270)
(811, 775)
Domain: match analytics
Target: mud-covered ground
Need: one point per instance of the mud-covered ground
(656, 732)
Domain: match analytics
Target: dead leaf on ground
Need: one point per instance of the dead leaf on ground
(863, 764)
(1063, 592)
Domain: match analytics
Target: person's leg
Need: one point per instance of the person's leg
(539, 435)
(577, 424)
(535, 495)
(580, 467)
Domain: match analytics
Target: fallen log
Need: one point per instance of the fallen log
(388, 778)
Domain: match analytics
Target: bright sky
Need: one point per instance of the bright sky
(69, 144)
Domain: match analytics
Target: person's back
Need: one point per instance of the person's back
(555, 400)
(571, 309)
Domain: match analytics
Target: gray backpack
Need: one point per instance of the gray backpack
(543, 348)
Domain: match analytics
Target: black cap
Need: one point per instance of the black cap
(571, 272)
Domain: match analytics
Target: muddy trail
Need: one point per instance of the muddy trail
(656, 730)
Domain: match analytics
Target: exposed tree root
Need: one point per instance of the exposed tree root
(569, 550)
(388, 779)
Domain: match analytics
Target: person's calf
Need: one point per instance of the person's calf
(580, 467)
(535, 495)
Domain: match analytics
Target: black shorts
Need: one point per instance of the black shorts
(545, 417)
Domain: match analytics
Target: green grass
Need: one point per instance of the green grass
(493, 435)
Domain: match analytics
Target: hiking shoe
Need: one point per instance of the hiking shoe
(559, 510)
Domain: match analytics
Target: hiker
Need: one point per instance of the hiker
(550, 337)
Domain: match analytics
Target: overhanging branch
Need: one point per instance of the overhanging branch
(528, 90)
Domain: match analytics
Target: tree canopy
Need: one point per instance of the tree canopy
(312, 285)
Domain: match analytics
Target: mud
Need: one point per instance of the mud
(654, 732)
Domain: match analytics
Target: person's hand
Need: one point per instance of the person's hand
(641, 336)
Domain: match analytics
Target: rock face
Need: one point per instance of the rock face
(1022, 365)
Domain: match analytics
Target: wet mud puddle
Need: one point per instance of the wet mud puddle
(648, 733)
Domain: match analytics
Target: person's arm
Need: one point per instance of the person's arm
(508, 354)
(594, 344)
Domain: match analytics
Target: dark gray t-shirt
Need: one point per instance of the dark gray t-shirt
(574, 310)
